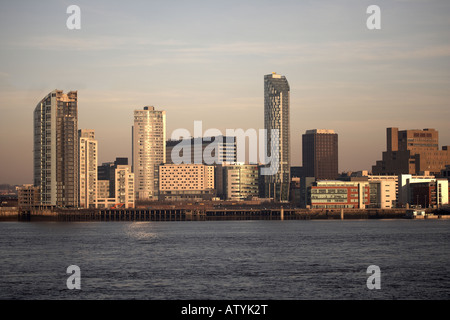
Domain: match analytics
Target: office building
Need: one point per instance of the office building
(149, 151)
(383, 194)
(433, 194)
(402, 184)
(412, 152)
(276, 117)
(218, 150)
(56, 149)
(88, 168)
(240, 182)
(329, 194)
(406, 183)
(320, 154)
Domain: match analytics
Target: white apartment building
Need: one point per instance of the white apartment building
(88, 151)
(149, 151)
(124, 186)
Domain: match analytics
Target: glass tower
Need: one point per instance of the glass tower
(276, 116)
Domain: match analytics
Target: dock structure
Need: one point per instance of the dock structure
(177, 214)
(163, 214)
(202, 213)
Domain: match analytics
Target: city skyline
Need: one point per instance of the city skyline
(204, 61)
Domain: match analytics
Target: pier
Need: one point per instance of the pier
(181, 214)
(205, 213)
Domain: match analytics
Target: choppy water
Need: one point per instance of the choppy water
(287, 260)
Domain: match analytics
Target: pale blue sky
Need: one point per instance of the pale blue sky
(205, 60)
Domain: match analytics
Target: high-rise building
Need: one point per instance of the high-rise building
(412, 152)
(320, 154)
(276, 117)
(56, 149)
(149, 151)
(88, 168)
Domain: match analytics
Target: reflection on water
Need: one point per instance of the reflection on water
(226, 259)
(140, 231)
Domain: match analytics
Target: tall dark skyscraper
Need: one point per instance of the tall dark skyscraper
(56, 149)
(276, 116)
(320, 154)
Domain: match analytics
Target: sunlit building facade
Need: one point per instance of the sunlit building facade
(88, 168)
(149, 151)
(56, 149)
(276, 117)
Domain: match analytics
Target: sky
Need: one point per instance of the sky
(206, 61)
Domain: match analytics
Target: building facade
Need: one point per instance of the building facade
(402, 184)
(276, 117)
(107, 172)
(383, 194)
(149, 151)
(433, 194)
(186, 182)
(88, 151)
(240, 182)
(28, 196)
(56, 149)
(103, 191)
(124, 187)
(412, 152)
(218, 150)
(339, 195)
(320, 154)
(122, 195)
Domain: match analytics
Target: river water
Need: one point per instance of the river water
(218, 260)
